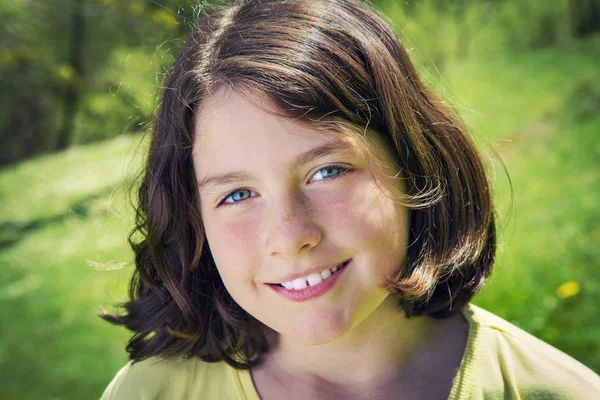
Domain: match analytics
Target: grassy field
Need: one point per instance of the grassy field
(64, 220)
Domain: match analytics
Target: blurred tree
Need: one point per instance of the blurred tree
(75, 71)
(27, 90)
(61, 60)
(449, 28)
(73, 88)
(585, 17)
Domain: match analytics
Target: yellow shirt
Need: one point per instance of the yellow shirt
(501, 361)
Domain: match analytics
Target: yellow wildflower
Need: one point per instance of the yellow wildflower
(567, 289)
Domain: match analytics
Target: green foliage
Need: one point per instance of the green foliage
(528, 107)
(44, 71)
(437, 31)
(126, 90)
(61, 61)
(27, 94)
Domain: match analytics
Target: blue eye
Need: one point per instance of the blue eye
(329, 172)
(236, 197)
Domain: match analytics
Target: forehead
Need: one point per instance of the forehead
(243, 128)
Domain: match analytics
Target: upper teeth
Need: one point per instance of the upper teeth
(311, 280)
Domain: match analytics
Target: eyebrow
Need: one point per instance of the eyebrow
(214, 181)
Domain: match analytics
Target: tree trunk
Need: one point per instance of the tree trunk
(585, 17)
(73, 90)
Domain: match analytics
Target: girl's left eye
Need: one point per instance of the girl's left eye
(329, 172)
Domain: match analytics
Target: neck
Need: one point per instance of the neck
(381, 350)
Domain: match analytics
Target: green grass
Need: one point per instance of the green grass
(531, 109)
(64, 215)
(61, 215)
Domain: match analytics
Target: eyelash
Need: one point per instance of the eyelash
(343, 171)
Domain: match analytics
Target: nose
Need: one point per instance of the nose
(293, 229)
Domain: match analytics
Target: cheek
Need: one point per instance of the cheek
(338, 210)
(366, 212)
(366, 220)
(233, 246)
(233, 233)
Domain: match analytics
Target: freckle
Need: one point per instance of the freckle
(236, 231)
(241, 232)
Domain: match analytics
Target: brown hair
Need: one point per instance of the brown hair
(321, 61)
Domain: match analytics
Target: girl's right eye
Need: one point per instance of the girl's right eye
(236, 197)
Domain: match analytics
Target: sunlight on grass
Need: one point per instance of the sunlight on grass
(46, 186)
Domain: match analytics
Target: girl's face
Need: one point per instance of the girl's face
(282, 204)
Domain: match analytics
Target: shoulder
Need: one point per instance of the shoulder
(524, 366)
(178, 378)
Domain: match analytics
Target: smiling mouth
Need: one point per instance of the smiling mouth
(313, 279)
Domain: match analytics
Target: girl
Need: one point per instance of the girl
(313, 223)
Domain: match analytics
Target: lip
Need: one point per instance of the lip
(307, 272)
(311, 291)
